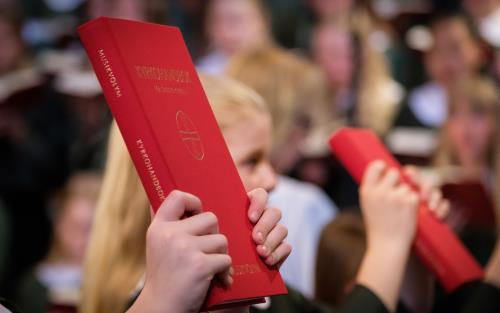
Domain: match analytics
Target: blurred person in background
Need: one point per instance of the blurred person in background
(361, 89)
(468, 153)
(455, 53)
(292, 90)
(486, 16)
(233, 26)
(54, 283)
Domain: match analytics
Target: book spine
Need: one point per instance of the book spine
(125, 105)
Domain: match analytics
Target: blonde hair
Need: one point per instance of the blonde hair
(231, 101)
(481, 95)
(115, 259)
(293, 88)
(116, 255)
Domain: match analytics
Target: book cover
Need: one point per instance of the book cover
(436, 245)
(155, 95)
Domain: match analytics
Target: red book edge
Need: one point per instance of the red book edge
(436, 245)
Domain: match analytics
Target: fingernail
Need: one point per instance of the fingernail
(231, 271)
(264, 250)
(254, 216)
(260, 236)
(270, 260)
(230, 280)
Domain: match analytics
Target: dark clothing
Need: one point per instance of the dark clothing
(473, 297)
(361, 299)
(470, 298)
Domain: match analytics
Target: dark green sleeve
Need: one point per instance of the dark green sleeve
(360, 300)
(485, 299)
(472, 297)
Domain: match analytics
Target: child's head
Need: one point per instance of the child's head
(455, 52)
(73, 211)
(341, 248)
(470, 135)
(294, 91)
(245, 122)
(236, 25)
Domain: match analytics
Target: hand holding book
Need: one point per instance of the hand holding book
(390, 213)
(184, 254)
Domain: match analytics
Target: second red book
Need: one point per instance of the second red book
(436, 245)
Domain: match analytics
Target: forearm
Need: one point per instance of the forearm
(146, 303)
(382, 270)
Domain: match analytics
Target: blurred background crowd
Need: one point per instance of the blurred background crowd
(422, 74)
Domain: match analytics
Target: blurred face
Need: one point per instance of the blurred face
(333, 51)
(331, 9)
(235, 25)
(454, 55)
(471, 133)
(480, 8)
(10, 46)
(249, 142)
(73, 228)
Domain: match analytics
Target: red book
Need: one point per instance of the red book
(154, 93)
(436, 245)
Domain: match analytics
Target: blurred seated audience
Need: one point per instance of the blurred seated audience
(455, 52)
(54, 283)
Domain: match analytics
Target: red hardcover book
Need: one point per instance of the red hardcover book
(436, 245)
(154, 93)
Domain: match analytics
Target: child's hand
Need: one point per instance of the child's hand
(430, 193)
(182, 257)
(267, 233)
(389, 208)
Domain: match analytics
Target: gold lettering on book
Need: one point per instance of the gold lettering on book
(165, 89)
(163, 74)
(110, 74)
(246, 269)
(151, 171)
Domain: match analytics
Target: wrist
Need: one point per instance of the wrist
(390, 245)
(147, 303)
